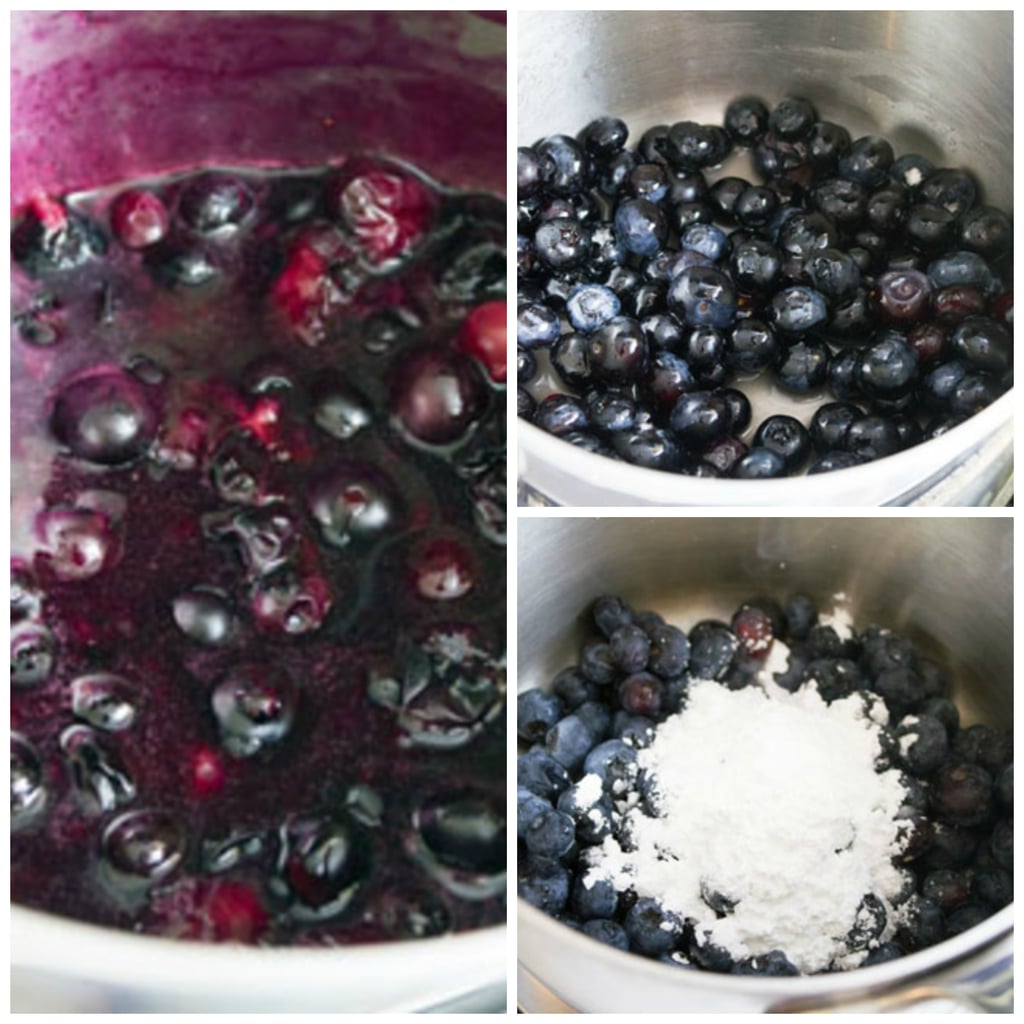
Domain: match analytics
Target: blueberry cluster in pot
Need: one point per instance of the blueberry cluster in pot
(654, 287)
(634, 672)
(257, 621)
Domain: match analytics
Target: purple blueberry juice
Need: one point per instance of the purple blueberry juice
(258, 595)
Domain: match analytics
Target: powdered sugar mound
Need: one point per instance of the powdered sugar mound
(770, 800)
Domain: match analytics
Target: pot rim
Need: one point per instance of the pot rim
(83, 951)
(674, 489)
(813, 986)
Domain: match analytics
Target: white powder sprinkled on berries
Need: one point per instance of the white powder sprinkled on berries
(772, 801)
(588, 791)
(839, 618)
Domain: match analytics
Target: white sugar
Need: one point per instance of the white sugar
(770, 799)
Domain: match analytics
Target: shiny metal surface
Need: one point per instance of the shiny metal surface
(935, 82)
(945, 582)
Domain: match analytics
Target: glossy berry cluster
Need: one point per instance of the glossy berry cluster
(257, 653)
(653, 287)
(634, 672)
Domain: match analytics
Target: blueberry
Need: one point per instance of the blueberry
(929, 226)
(636, 731)
(570, 359)
(962, 268)
(773, 964)
(787, 437)
(592, 899)
(986, 230)
(544, 884)
(792, 117)
(755, 264)
(945, 711)
(528, 807)
(29, 794)
(214, 201)
(604, 137)
(528, 181)
(640, 225)
(706, 239)
(596, 663)
(703, 295)
(608, 932)
(869, 923)
(560, 415)
(922, 924)
(648, 181)
(101, 782)
(254, 707)
(1004, 786)
(797, 309)
(589, 306)
(691, 147)
(752, 346)
(630, 648)
(540, 773)
(911, 169)
(883, 953)
(568, 741)
(950, 847)
(804, 366)
(760, 464)
(745, 119)
(953, 190)
(50, 239)
(992, 887)
(983, 344)
(1001, 843)
(834, 273)
(699, 418)
(826, 143)
(712, 650)
(967, 916)
(613, 174)
(526, 366)
(923, 744)
(563, 165)
(536, 325)
(739, 409)
(872, 437)
(668, 378)
(867, 161)
(755, 206)
(593, 818)
(610, 613)
(725, 193)
(836, 677)
(617, 351)
(551, 835)
(33, 654)
(961, 794)
(670, 651)
(614, 763)
(651, 929)
(536, 713)
(647, 446)
(562, 243)
(888, 367)
(807, 233)
(830, 424)
(597, 717)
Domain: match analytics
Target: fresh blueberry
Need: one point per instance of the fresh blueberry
(651, 929)
(536, 325)
(872, 437)
(787, 437)
(923, 744)
(712, 650)
(797, 309)
(562, 243)
(540, 773)
(608, 932)
(703, 295)
(760, 463)
(618, 351)
(804, 366)
(596, 663)
(544, 884)
(792, 117)
(630, 648)
(569, 740)
(953, 190)
(830, 424)
(561, 415)
(590, 306)
(648, 446)
(745, 119)
(755, 264)
(773, 964)
(699, 418)
(563, 165)
(604, 137)
(640, 225)
(536, 713)
(551, 835)
(983, 344)
(752, 346)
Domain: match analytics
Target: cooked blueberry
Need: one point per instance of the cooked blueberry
(212, 201)
(29, 793)
(100, 780)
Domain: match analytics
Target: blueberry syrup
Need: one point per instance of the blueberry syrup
(258, 594)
